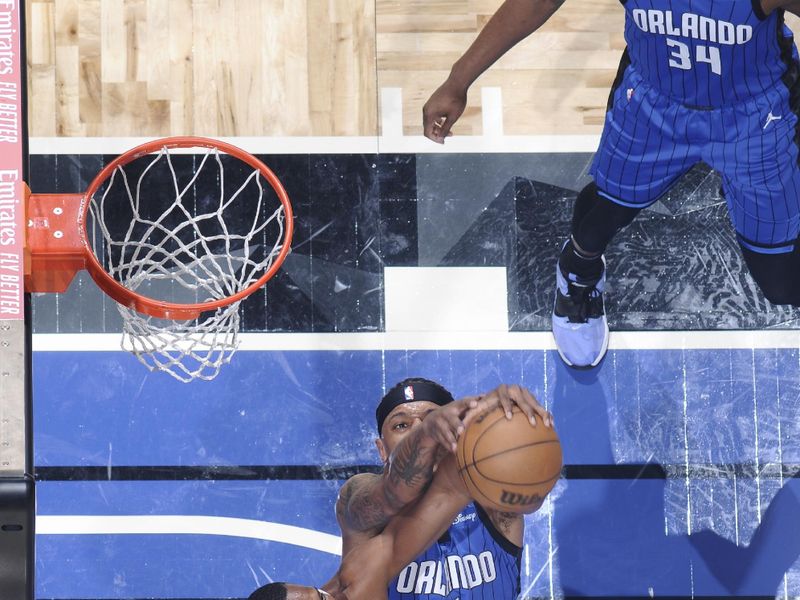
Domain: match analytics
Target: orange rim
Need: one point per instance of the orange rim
(174, 310)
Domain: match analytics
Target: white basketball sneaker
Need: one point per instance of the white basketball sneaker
(579, 320)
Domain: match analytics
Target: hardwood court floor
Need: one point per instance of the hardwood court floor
(301, 67)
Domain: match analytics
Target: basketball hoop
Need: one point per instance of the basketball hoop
(178, 232)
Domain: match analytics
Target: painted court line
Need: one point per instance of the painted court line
(445, 298)
(392, 112)
(187, 525)
(446, 340)
(492, 111)
(394, 144)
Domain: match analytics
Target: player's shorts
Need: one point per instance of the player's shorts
(649, 141)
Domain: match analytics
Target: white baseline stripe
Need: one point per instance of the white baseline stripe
(392, 112)
(447, 340)
(519, 144)
(342, 145)
(188, 525)
(254, 145)
(492, 111)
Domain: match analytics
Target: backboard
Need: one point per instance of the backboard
(16, 461)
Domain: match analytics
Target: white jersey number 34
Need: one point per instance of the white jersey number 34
(682, 56)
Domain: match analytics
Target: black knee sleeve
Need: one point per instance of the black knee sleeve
(584, 203)
(596, 220)
(778, 275)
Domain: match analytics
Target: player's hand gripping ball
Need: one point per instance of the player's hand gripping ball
(509, 465)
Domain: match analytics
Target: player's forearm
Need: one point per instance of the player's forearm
(416, 529)
(411, 467)
(513, 21)
(367, 502)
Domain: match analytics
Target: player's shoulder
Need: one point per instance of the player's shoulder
(507, 528)
(355, 484)
(502, 517)
(360, 479)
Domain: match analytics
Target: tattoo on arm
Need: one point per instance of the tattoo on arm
(359, 509)
(410, 469)
(369, 504)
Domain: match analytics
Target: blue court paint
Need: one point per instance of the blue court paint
(717, 423)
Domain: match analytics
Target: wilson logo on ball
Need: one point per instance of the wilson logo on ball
(514, 499)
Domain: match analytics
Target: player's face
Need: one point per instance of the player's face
(399, 422)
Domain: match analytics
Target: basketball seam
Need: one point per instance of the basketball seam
(516, 448)
(474, 462)
(479, 490)
(465, 473)
(524, 483)
(510, 483)
(556, 475)
(489, 501)
(499, 420)
(474, 484)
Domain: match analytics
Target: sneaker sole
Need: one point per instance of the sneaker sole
(594, 363)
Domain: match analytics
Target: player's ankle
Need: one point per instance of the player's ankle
(582, 267)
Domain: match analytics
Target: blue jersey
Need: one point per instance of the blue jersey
(471, 561)
(707, 53)
(715, 81)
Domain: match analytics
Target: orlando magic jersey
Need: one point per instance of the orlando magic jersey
(713, 81)
(707, 53)
(471, 561)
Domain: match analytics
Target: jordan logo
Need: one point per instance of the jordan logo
(771, 118)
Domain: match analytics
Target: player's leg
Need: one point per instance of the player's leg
(641, 154)
(766, 218)
(778, 275)
(761, 182)
(579, 322)
(595, 222)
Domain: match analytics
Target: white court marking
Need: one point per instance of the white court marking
(395, 144)
(445, 298)
(187, 525)
(456, 337)
(447, 308)
(392, 112)
(492, 111)
(450, 340)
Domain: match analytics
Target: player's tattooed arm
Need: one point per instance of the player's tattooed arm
(368, 501)
(411, 466)
(357, 508)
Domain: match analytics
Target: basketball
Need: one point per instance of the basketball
(507, 464)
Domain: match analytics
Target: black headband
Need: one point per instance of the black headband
(412, 392)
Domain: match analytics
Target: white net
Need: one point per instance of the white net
(189, 228)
